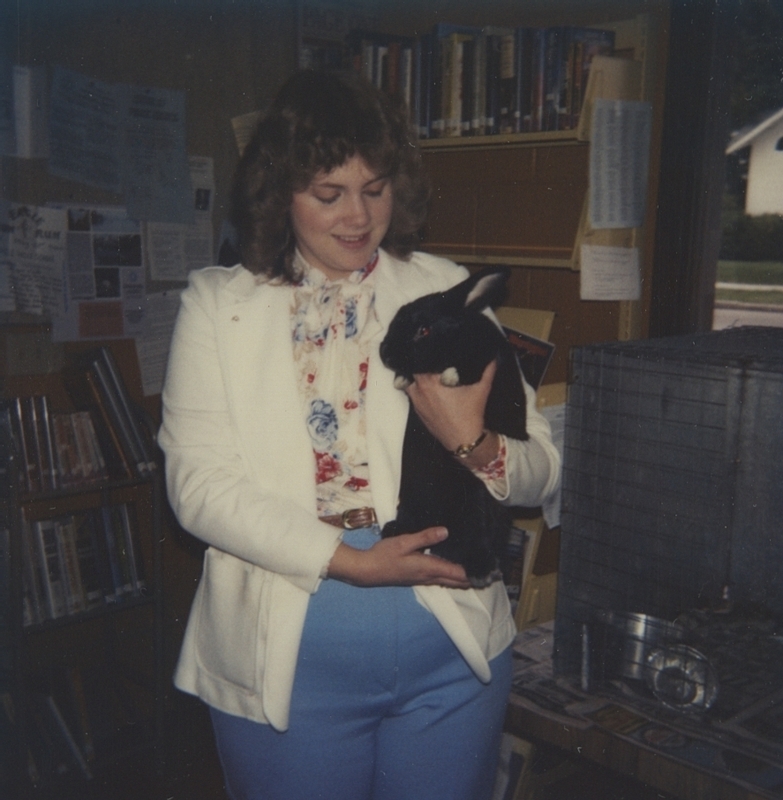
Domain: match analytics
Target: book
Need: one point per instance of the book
(88, 556)
(533, 355)
(61, 734)
(45, 535)
(73, 587)
(23, 437)
(30, 410)
(5, 573)
(7, 449)
(120, 463)
(94, 525)
(115, 417)
(132, 547)
(46, 435)
(508, 83)
(68, 464)
(523, 41)
(129, 408)
(587, 43)
(116, 550)
(492, 82)
(88, 467)
(78, 701)
(34, 605)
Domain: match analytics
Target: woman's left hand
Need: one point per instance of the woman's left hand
(454, 415)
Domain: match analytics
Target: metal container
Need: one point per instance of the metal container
(635, 636)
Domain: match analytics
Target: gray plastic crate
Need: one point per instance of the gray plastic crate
(672, 478)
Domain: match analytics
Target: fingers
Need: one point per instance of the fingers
(430, 569)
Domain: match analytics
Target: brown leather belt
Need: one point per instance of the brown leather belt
(352, 519)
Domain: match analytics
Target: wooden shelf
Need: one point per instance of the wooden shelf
(517, 201)
(499, 140)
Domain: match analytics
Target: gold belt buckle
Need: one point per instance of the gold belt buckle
(355, 518)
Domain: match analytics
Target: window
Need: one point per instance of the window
(749, 287)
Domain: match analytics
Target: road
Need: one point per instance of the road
(729, 315)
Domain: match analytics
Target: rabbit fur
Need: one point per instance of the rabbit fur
(447, 333)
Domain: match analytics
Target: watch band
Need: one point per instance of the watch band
(464, 450)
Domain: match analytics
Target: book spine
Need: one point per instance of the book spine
(8, 450)
(492, 91)
(128, 407)
(103, 562)
(508, 83)
(406, 76)
(115, 565)
(78, 700)
(51, 568)
(28, 467)
(37, 446)
(123, 460)
(117, 419)
(63, 732)
(47, 442)
(88, 467)
(468, 63)
(479, 85)
(66, 461)
(537, 79)
(87, 555)
(93, 444)
(33, 577)
(132, 545)
(123, 556)
(69, 563)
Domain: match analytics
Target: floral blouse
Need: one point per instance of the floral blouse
(332, 325)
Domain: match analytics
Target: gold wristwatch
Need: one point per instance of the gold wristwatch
(464, 450)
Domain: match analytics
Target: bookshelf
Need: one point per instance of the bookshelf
(83, 606)
(516, 191)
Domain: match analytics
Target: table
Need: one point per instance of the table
(616, 728)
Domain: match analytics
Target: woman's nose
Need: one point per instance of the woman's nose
(358, 213)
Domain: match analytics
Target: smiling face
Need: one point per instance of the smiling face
(341, 218)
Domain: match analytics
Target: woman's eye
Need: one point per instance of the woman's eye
(327, 200)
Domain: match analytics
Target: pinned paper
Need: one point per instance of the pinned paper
(610, 273)
(619, 158)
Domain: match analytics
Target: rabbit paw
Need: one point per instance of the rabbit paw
(449, 377)
(481, 582)
(401, 382)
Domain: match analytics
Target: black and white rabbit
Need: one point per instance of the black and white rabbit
(447, 333)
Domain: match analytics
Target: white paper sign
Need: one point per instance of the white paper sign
(173, 248)
(105, 293)
(609, 273)
(36, 251)
(153, 346)
(619, 158)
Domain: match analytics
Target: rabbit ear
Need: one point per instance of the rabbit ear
(486, 288)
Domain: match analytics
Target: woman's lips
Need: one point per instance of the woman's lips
(353, 242)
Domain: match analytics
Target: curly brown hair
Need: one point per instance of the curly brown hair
(316, 123)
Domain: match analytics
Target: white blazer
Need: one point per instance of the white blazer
(241, 476)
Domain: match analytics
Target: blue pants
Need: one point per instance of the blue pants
(384, 707)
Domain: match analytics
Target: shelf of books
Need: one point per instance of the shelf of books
(80, 580)
(502, 116)
(463, 81)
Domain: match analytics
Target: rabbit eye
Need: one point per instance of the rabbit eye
(421, 333)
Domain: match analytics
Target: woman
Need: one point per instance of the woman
(336, 664)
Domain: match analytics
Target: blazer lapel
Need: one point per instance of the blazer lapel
(254, 340)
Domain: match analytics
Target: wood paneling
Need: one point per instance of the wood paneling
(522, 201)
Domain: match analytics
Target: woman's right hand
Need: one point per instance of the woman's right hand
(398, 561)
